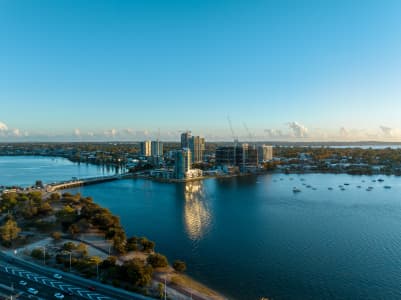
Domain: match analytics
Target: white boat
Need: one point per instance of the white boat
(296, 190)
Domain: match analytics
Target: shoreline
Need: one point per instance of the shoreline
(98, 246)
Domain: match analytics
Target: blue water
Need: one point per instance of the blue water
(25, 170)
(252, 236)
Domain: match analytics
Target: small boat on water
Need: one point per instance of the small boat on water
(343, 189)
(358, 186)
(296, 190)
(387, 187)
(330, 188)
(346, 183)
(308, 186)
(380, 179)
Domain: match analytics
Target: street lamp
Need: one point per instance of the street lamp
(97, 270)
(165, 288)
(44, 254)
(69, 252)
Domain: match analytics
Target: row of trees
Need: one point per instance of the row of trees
(27, 205)
(80, 213)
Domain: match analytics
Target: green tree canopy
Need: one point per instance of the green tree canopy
(9, 231)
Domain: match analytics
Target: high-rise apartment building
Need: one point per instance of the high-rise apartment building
(197, 147)
(241, 156)
(265, 153)
(157, 148)
(182, 163)
(185, 137)
(146, 148)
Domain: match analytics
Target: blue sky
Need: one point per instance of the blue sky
(316, 70)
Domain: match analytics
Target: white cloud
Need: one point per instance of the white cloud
(3, 127)
(387, 131)
(77, 132)
(110, 133)
(273, 133)
(16, 132)
(298, 130)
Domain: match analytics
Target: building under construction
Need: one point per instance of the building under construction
(239, 155)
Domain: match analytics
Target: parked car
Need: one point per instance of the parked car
(33, 291)
(22, 282)
(57, 276)
(59, 296)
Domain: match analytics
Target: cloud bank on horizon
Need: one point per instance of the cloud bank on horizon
(290, 131)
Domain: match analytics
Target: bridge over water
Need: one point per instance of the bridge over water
(84, 181)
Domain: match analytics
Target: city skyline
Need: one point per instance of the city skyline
(288, 71)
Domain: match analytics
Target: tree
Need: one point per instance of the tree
(74, 229)
(160, 290)
(69, 246)
(54, 197)
(45, 208)
(132, 244)
(37, 253)
(56, 235)
(148, 246)
(179, 266)
(137, 273)
(9, 231)
(82, 248)
(157, 260)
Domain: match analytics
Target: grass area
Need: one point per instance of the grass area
(183, 280)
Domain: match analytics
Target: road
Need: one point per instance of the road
(44, 291)
(41, 278)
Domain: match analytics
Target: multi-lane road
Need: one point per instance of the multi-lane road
(13, 270)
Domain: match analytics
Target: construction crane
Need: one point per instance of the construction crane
(250, 135)
(235, 138)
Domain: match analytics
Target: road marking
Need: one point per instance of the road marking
(55, 284)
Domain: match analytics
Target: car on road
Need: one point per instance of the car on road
(58, 296)
(57, 276)
(91, 288)
(22, 282)
(33, 291)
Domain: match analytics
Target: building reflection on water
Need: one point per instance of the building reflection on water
(197, 215)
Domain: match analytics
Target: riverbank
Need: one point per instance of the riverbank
(91, 253)
(179, 286)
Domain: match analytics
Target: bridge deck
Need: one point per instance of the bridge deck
(80, 182)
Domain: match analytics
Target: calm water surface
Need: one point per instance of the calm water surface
(252, 236)
(25, 170)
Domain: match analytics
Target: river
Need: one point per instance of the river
(249, 237)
